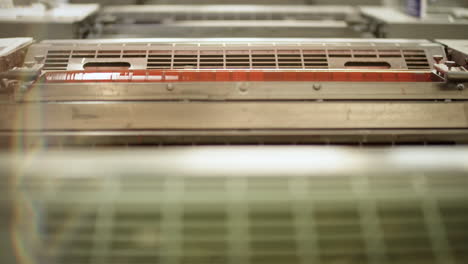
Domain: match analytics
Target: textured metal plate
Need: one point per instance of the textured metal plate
(232, 115)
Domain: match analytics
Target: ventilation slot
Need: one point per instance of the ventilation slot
(57, 60)
(134, 54)
(272, 234)
(364, 54)
(148, 218)
(336, 184)
(315, 59)
(212, 59)
(339, 53)
(263, 59)
(367, 65)
(136, 234)
(237, 59)
(390, 53)
(99, 66)
(450, 182)
(390, 183)
(76, 244)
(83, 54)
(203, 185)
(416, 59)
(339, 232)
(455, 219)
(185, 59)
(289, 59)
(204, 234)
(159, 59)
(108, 54)
(405, 233)
(251, 16)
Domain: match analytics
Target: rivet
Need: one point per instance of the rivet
(243, 87)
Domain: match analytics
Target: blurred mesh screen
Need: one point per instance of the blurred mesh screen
(181, 207)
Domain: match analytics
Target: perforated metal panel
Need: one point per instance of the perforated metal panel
(317, 54)
(225, 205)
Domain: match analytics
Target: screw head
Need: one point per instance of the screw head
(317, 86)
(243, 87)
(460, 86)
(170, 87)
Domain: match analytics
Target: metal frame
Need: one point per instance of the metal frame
(225, 21)
(355, 49)
(236, 112)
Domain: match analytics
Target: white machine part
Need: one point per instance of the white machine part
(54, 20)
(390, 22)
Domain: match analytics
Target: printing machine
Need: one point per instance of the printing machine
(212, 21)
(103, 142)
(158, 91)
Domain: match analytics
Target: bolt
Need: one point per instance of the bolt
(438, 58)
(317, 86)
(170, 87)
(460, 86)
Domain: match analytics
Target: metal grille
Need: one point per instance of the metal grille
(164, 14)
(58, 59)
(145, 216)
(236, 59)
(144, 54)
(416, 59)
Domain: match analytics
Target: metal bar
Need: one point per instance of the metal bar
(232, 115)
(243, 91)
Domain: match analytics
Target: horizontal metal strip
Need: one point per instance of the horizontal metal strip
(243, 91)
(245, 115)
(246, 75)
